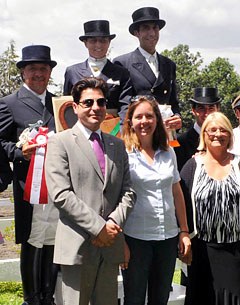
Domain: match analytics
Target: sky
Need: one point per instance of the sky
(210, 27)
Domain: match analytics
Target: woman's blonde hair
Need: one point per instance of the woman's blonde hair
(222, 121)
(160, 137)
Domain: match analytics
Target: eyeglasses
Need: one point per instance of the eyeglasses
(142, 98)
(213, 131)
(88, 102)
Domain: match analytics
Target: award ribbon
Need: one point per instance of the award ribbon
(35, 190)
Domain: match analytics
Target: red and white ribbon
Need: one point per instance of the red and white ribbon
(35, 190)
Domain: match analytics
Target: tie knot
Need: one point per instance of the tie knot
(95, 136)
(152, 59)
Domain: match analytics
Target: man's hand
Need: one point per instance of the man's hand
(28, 150)
(174, 122)
(107, 235)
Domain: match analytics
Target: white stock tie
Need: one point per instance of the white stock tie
(153, 65)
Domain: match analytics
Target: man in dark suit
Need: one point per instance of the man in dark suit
(150, 72)
(97, 40)
(34, 224)
(5, 171)
(94, 196)
(205, 100)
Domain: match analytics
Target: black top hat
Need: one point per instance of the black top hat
(145, 14)
(96, 28)
(36, 53)
(236, 102)
(205, 95)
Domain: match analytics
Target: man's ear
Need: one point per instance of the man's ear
(74, 105)
(136, 33)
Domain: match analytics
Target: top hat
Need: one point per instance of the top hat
(145, 14)
(36, 53)
(96, 28)
(236, 102)
(205, 95)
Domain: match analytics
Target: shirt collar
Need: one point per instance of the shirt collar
(87, 132)
(197, 127)
(146, 54)
(41, 96)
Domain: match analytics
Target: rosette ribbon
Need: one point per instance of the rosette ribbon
(35, 190)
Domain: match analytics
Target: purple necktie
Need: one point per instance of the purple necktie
(98, 149)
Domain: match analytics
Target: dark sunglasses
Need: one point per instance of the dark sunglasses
(88, 102)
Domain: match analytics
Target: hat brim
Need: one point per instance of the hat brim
(84, 37)
(206, 101)
(134, 26)
(23, 63)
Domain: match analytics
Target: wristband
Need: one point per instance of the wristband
(183, 232)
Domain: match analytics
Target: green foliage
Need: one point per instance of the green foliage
(10, 79)
(190, 74)
(9, 235)
(177, 277)
(10, 299)
(221, 74)
(9, 232)
(11, 287)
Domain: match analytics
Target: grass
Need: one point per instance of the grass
(11, 293)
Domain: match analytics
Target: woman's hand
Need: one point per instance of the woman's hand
(185, 253)
(124, 265)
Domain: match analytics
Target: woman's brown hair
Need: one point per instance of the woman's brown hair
(160, 137)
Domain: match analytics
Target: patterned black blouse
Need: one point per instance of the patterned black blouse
(217, 208)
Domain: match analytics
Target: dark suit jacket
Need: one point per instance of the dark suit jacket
(85, 198)
(189, 142)
(117, 78)
(5, 171)
(17, 111)
(145, 82)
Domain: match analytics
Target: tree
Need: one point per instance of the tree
(10, 79)
(221, 74)
(188, 76)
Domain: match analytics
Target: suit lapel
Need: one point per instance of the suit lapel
(34, 102)
(48, 109)
(161, 69)
(139, 63)
(86, 69)
(30, 100)
(87, 150)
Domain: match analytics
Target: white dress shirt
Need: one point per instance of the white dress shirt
(151, 60)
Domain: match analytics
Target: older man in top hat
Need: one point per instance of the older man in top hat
(35, 225)
(150, 72)
(236, 131)
(97, 40)
(205, 100)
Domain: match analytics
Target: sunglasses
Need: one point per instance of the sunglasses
(88, 102)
